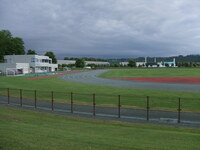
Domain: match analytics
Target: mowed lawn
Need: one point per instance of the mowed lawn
(152, 72)
(26, 130)
(190, 101)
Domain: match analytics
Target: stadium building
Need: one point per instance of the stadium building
(22, 64)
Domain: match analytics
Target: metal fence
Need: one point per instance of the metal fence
(2, 74)
(39, 74)
(148, 108)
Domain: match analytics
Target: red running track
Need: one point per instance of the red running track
(188, 80)
(58, 74)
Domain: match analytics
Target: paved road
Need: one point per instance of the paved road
(110, 113)
(91, 77)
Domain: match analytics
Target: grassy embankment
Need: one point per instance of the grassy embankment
(20, 129)
(107, 95)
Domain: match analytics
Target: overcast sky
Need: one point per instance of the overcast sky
(110, 28)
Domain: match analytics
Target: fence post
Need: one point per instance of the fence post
(119, 106)
(147, 108)
(94, 106)
(8, 92)
(179, 110)
(20, 97)
(72, 110)
(35, 94)
(52, 100)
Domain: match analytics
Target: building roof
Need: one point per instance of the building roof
(169, 62)
(87, 62)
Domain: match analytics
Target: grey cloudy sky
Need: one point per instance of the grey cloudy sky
(105, 27)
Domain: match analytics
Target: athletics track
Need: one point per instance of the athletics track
(92, 77)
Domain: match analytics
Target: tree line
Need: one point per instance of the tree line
(188, 64)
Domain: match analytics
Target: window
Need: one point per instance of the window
(34, 60)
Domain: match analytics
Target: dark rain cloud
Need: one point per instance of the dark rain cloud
(105, 27)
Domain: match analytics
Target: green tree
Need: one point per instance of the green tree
(5, 34)
(194, 64)
(31, 52)
(66, 58)
(131, 63)
(17, 46)
(52, 56)
(5, 38)
(10, 45)
(92, 65)
(166, 65)
(80, 63)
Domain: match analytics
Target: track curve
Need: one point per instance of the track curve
(91, 77)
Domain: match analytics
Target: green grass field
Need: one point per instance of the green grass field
(104, 95)
(26, 130)
(153, 72)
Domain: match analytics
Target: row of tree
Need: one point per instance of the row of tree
(188, 64)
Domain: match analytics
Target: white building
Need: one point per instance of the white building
(169, 64)
(124, 64)
(142, 64)
(67, 62)
(97, 63)
(138, 64)
(152, 64)
(22, 64)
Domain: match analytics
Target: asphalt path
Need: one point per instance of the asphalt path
(191, 120)
(92, 77)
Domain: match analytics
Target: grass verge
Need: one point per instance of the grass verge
(24, 130)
